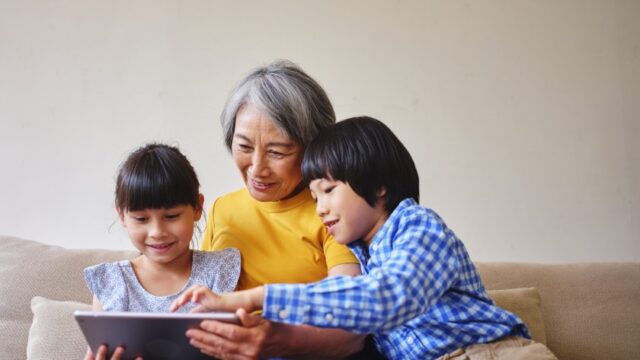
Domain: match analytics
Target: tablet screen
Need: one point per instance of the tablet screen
(150, 335)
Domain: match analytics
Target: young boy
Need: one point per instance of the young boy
(420, 295)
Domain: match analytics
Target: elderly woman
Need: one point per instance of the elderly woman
(267, 122)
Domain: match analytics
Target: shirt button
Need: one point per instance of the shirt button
(283, 314)
(410, 340)
(329, 317)
(375, 247)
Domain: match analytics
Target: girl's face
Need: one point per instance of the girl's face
(347, 216)
(162, 235)
(268, 160)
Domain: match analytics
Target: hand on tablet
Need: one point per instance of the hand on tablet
(249, 300)
(248, 341)
(102, 354)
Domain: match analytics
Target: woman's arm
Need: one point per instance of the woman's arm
(345, 269)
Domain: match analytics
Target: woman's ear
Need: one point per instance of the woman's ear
(200, 207)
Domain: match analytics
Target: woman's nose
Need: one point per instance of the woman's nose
(259, 165)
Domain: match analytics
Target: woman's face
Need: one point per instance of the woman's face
(268, 160)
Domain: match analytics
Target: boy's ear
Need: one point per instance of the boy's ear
(382, 192)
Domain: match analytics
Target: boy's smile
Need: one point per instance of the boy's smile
(329, 224)
(347, 216)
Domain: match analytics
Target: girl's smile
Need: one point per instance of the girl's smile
(161, 235)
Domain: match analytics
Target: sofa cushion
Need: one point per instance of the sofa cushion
(54, 330)
(524, 302)
(590, 310)
(29, 268)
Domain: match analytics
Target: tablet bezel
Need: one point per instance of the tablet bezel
(150, 335)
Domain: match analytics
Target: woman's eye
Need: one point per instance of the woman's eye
(276, 154)
(244, 147)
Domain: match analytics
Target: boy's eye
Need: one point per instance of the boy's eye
(172, 216)
(139, 218)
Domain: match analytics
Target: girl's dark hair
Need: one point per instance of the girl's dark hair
(364, 153)
(156, 176)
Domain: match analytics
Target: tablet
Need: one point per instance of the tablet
(150, 335)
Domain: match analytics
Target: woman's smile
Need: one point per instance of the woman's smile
(268, 160)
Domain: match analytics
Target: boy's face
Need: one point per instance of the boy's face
(347, 216)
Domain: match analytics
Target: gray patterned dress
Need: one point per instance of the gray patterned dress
(118, 289)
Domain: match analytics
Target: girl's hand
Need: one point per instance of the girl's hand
(102, 354)
(249, 300)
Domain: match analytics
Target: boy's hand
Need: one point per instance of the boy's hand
(249, 300)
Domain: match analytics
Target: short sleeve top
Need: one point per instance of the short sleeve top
(280, 241)
(118, 289)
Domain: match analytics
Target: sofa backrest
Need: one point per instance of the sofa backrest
(29, 268)
(590, 310)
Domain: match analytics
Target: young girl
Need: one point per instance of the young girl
(159, 204)
(420, 295)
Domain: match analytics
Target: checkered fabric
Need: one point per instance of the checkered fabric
(420, 294)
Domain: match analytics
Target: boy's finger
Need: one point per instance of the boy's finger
(200, 309)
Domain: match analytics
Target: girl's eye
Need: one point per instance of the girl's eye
(329, 189)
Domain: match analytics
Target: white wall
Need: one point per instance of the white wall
(523, 116)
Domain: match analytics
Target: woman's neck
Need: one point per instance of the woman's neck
(301, 186)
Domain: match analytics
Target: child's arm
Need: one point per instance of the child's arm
(96, 305)
(250, 300)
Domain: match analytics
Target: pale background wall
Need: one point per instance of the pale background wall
(523, 116)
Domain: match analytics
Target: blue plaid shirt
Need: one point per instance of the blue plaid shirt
(420, 294)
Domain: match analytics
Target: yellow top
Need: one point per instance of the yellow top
(280, 242)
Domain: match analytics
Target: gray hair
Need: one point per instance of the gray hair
(292, 99)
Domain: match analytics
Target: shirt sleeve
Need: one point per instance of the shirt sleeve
(223, 269)
(107, 283)
(337, 254)
(419, 268)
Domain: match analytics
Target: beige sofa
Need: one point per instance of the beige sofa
(582, 311)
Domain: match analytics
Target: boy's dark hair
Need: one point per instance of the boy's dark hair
(156, 176)
(364, 153)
